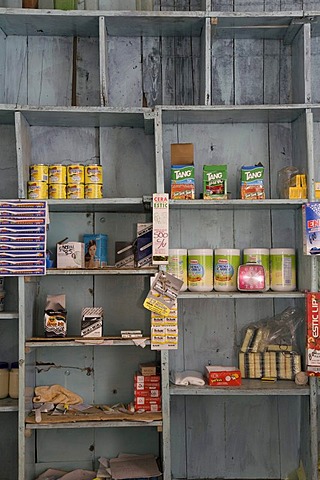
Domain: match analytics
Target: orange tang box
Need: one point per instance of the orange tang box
(219, 376)
(313, 333)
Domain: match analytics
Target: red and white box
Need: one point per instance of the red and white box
(148, 393)
(313, 333)
(220, 376)
(147, 379)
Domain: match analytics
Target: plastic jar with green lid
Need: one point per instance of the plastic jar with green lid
(4, 379)
(200, 270)
(283, 269)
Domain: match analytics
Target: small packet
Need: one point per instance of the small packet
(163, 293)
(252, 182)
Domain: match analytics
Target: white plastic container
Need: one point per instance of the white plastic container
(4, 380)
(177, 265)
(260, 256)
(14, 381)
(226, 264)
(2, 297)
(283, 269)
(200, 270)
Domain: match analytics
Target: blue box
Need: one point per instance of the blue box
(311, 228)
(95, 250)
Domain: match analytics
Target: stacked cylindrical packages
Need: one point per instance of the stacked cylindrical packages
(147, 391)
(74, 181)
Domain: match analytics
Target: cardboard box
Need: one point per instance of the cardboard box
(182, 171)
(124, 255)
(143, 245)
(313, 333)
(147, 380)
(311, 228)
(150, 393)
(55, 316)
(91, 322)
(70, 255)
(215, 182)
(151, 368)
(96, 250)
(252, 183)
(220, 376)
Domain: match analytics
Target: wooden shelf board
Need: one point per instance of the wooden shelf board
(248, 387)
(97, 424)
(8, 405)
(103, 271)
(40, 342)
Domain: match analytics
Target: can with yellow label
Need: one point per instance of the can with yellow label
(39, 173)
(57, 190)
(93, 174)
(75, 190)
(75, 173)
(57, 174)
(93, 190)
(37, 190)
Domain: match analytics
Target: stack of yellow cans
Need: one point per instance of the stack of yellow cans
(38, 183)
(93, 187)
(57, 181)
(74, 181)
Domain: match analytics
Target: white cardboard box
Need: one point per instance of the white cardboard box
(70, 255)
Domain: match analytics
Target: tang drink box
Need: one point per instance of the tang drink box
(214, 182)
(252, 182)
(182, 171)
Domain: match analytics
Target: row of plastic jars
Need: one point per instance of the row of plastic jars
(9, 380)
(208, 269)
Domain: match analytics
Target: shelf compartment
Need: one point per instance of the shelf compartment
(248, 387)
(84, 342)
(8, 405)
(259, 58)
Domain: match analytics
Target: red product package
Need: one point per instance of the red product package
(313, 333)
(219, 376)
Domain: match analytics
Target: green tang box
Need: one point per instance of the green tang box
(214, 182)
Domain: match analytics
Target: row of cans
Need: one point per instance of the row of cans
(41, 190)
(71, 174)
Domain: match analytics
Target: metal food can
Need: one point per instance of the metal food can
(39, 173)
(37, 190)
(75, 190)
(75, 173)
(57, 190)
(57, 174)
(93, 190)
(93, 174)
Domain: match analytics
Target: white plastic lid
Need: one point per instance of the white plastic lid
(178, 251)
(282, 251)
(256, 251)
(200, 251)
(227, 251)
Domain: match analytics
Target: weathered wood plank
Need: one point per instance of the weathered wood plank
(50, 68)
(87, 82)
(124, 70)
(16, 78)
(2, 65)
(151, 71)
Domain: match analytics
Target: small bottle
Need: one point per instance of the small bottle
(4, 379)
(14, 380)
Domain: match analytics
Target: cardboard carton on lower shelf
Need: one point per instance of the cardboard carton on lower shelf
(220, 376)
